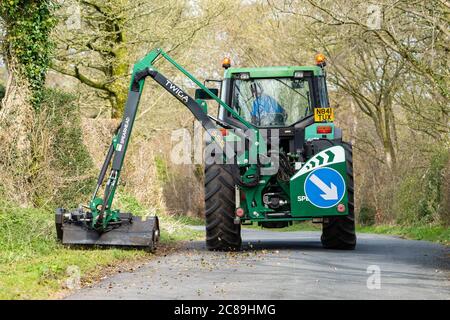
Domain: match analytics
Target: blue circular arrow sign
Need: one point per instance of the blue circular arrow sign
(324, 187)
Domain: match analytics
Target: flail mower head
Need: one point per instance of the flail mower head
(76, 228)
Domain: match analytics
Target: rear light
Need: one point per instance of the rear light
(324, 129)
(240, 212)
(341, 207)
(224, 132)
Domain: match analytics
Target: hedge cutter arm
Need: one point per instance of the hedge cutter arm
(101, 222)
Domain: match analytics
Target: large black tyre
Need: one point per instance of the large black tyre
(221, 231)
(339, 232)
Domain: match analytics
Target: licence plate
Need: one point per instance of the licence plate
(323, 115)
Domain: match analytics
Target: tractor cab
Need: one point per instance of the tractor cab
(292, 100)
(275, 96)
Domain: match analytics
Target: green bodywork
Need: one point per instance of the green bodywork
(273, 72)
(253, 206)
(333, 158)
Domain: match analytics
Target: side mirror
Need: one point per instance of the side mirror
(201, 94)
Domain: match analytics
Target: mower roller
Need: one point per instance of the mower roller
(277, 159)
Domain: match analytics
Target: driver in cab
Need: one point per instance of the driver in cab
(265, 109)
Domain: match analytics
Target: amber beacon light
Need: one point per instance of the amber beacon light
(226, 63)
(320, 59)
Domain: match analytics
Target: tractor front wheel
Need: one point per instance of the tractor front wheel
(339, 232)
(221, 231)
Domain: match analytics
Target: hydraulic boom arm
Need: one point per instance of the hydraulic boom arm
(102, 215)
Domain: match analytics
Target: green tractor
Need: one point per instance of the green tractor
(274, 157)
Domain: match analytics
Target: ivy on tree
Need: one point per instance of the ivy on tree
(28, 24)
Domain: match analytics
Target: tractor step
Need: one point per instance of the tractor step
(133, 231)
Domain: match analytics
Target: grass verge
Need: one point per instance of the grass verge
(432, 233)
(33, 265)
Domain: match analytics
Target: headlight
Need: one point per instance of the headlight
(243, 76)
(298, 74)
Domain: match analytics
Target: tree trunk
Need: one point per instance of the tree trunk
(117, 98)
(355, 122)
(16, 123)
(118, 90)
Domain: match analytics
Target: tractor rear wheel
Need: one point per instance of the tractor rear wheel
(221, 231)
(339, 232)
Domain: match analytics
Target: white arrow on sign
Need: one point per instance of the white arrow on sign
(330, 193)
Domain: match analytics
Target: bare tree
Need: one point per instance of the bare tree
(111, 35)
(418, 32)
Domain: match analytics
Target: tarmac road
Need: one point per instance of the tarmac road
(288, 265)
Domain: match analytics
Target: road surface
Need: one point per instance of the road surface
(288, 265)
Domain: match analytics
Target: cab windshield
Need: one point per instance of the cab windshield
(272, 102)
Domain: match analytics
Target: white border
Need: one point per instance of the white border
(339, 156)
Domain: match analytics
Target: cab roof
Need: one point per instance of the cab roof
(273, 72)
